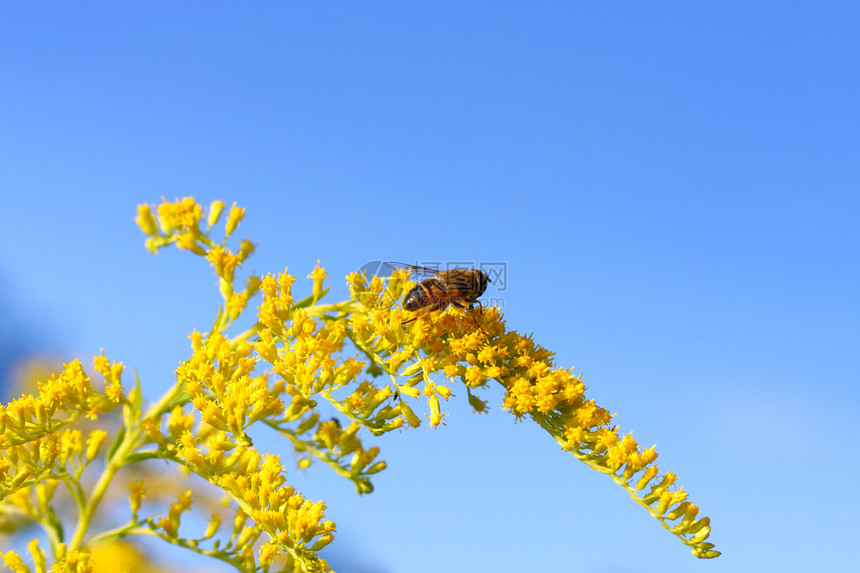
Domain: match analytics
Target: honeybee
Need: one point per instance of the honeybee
(456, 287)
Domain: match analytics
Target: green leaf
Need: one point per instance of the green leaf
(142, 456)
(131, 410)
(309, 300)
(120, 436)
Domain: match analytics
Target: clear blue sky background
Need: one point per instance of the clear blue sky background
(694, 253)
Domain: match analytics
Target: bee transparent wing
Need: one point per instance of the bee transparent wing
(413, 269)
(394, 283)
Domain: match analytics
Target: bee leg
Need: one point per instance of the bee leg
(479, 326)
(420, 312)
(471, 305)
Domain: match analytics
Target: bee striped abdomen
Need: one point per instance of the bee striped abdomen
(430, 292)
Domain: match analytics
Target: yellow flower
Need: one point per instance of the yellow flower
(38, 556)
(184, 215)
(268, 552)
(170, 524)
(14, 562)
(138, 492)
(233, 219)
(119, 557)
(94, 443)
(223, 261)
(318, 275)
(235, 304)
(215, 210)
(146, 221)
(112, 373)
(189, 241)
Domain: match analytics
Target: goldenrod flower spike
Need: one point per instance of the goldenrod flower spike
(377, 367)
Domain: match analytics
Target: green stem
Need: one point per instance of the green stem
(75, 490)
(343, 307)
(129, 528)
(247, 334)
(98, 493)
(165, 403)
(373, 424)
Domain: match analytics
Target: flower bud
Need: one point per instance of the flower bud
(409, 415)
(322, 542)
(214, 524)
(94, 443)
(38, 556)
(318, 275)
(233, 219)
(376, 468)
(14, 562)
(146, 220)
(215, 210)
(138, 492)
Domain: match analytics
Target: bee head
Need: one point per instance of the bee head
(483, 279)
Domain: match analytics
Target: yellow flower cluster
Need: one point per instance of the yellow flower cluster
(295, 527)
(305, 352)
(367, 357)
(66, 562)
(53, 456)
(179, 222)
(229, 392)
(37, 445)
(220, 379)
(61, 400)
(477, 348)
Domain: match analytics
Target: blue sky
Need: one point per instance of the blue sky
(694, 252)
